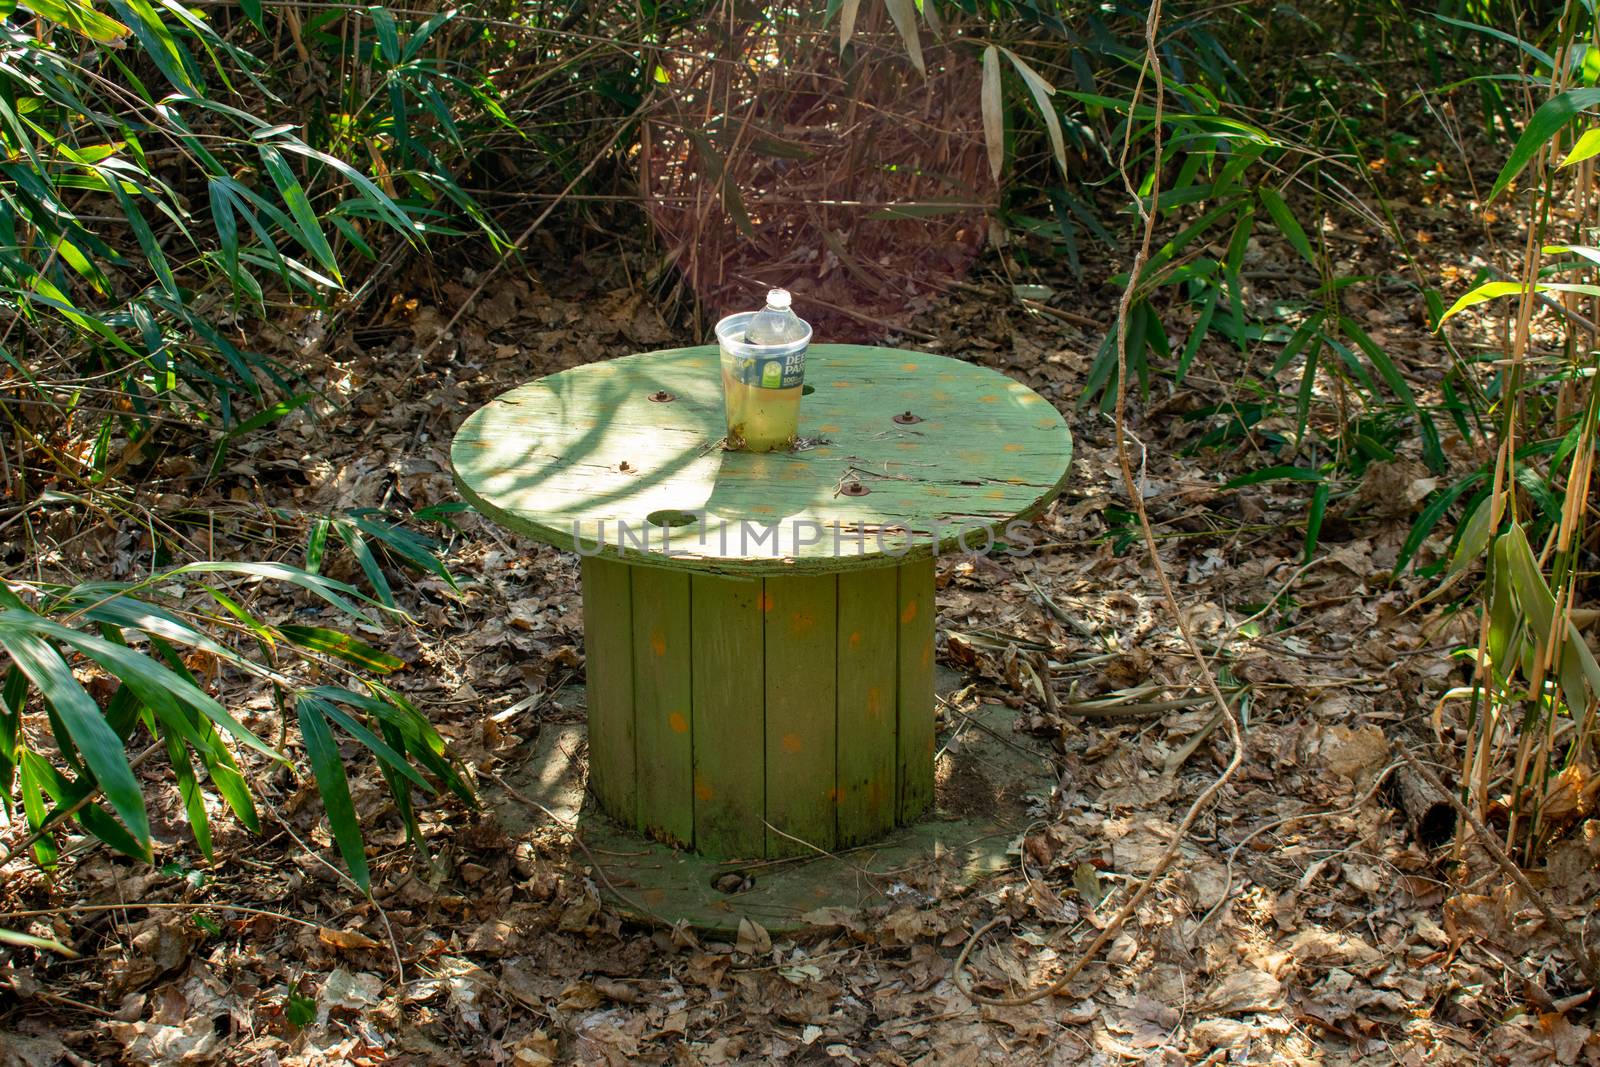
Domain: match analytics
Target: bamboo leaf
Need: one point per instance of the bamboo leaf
(1429, 518)
(1287, 224)
(1319, 507)
(1587, 147)
(1551, 118)
(847, 21)
(194, 801)
(1043, 93)
(102, 749)
(1495, 290)
(334, 592)
(1475, 534)
(13, 937)
(334, 787)
(341, 646)
(352, 537)
(1275, 474)
(905, 20)
(1578, 670)
(386, 754)
(994, 125)
(80, 17)
(153, 681)
(33, 786)
(308, 228)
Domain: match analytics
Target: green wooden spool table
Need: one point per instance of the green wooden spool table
(760, 627)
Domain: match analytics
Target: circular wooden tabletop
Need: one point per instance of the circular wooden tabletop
(624, 459)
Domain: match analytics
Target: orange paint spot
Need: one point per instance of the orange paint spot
(855, 639)
(766, 602)
(1047, 424)
(802, 622)
(1012, 447)
(702, 790)
(874, 702)
(874, 796)
(988, 398)
(678, 723)
(840, 384)
(910, 366)
(996, 494)
(761, 509)
(834, 795)
(909, 613)
(906, 446)
(927, 653)
(791, 743)
(827, 428)
(658, 643)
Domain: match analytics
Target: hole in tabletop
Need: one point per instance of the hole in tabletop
(731, 882)
(671, 517)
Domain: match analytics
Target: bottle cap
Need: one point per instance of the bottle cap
(778, 298)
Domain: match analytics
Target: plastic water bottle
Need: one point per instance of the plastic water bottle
(776, 324)
(763, 374)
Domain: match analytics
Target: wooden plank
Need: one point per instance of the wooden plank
(914, 692)
(663, 739)
(588, 445)
(868, 640)
(608, 675)
(801, 657)
(729, 717)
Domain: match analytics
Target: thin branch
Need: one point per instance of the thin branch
(1152, 67)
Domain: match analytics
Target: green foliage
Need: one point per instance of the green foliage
(161, 196)
(148, 636)
(1530, 726)
(152, 200)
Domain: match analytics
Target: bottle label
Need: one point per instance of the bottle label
(767, 372)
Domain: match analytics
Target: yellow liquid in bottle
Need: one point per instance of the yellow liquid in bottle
(760, 420)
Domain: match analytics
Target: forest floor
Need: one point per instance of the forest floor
(1300, 924)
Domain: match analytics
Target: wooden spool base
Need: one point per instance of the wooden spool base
(757, 718)
(987, 778)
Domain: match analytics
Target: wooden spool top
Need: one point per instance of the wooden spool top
(587, 460)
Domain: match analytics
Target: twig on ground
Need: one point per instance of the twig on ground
(825, 854)
(156, 905)
(57, 998)
(577, 838)
(394, 942)
(1122, 708)
(1060, 614)
(1233, 853)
